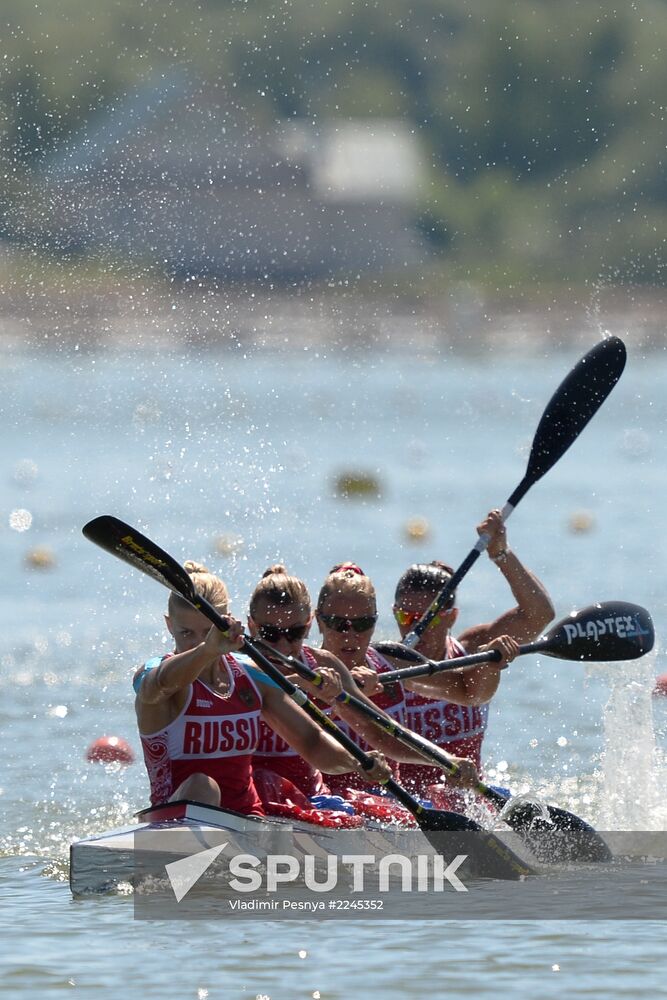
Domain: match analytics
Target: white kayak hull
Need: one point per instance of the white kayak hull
(106, 861)
(168, 834)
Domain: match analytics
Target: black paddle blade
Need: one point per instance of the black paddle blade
(553, 835)
(610, 630)
(559, 837)
(576, 400)
(486, 856)
(399, 652)
(132, 547)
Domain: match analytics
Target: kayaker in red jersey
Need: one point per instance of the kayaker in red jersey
(458, 723)
(199, 711)
(280, 614)
(346, 615)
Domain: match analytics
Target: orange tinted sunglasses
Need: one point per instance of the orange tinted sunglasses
(406, 619)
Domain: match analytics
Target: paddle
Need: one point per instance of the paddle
(526, 818)
(610, 630)
(573, 404)
(491, 859)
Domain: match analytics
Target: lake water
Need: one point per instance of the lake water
(231, 457)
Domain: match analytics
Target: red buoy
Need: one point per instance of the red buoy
(660, 685)
(110, 750)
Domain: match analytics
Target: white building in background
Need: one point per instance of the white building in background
(360, 161)
(180, 178)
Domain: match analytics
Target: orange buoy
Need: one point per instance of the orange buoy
(660, 685)
(581, 521)
(110, 750)
(417, 529)
(41, 557)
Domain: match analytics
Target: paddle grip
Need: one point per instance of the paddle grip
(441, 598)
(435, 667)
(460, 662)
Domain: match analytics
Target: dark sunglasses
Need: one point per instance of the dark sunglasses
(273, 633)
(339, 624)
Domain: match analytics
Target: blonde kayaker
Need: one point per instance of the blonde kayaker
(199, 711)
(346, 615)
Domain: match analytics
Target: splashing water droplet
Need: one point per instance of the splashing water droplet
(25, 472)
(20, 520)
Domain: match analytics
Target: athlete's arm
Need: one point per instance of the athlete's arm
(472, 686)
(179, 671)
(310, 740)
(533, 610)
(369, 731)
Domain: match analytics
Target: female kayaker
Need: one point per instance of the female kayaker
(199, 710)
(346, 615)
(455, 718)
(280, 614)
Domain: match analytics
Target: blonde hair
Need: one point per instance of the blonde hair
(278, 588)
(206, 584)
(346, 578)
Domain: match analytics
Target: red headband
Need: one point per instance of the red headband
(348, 566)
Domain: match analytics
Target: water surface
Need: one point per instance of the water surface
(237, 452)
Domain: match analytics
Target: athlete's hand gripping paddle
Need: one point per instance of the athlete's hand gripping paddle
(600, 633)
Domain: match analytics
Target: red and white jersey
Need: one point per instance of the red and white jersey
(213, 735)
(273, 753)
(392, 701)
(458, 729)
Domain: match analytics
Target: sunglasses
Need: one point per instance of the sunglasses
(273, 633)
(406, 619)
(339, 624)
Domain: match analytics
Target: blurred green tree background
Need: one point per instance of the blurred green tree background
(543, 122)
